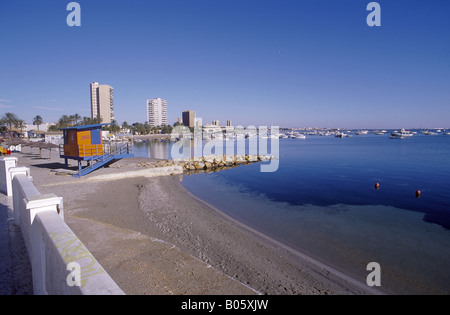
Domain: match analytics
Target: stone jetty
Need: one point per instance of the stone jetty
(210, 162)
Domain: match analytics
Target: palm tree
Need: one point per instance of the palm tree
(76, 118)
(86, 121)
(10, 119)
(38, 121)
(114, 128)
(64, 121)
(20, 124)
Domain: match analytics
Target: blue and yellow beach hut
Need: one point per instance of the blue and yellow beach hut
(85, 143)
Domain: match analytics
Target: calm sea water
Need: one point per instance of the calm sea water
(322, 201)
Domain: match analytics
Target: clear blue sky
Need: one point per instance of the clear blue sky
(263, 62)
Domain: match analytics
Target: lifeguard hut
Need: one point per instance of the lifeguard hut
(85, 143)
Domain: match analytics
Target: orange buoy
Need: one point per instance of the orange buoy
(418, 194)
(377, 186)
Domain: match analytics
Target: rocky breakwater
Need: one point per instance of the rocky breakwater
(209, 163)
(218, 162)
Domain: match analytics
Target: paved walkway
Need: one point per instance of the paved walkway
(15, 270)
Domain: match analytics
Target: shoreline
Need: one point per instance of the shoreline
(139, 213)
(324, 271)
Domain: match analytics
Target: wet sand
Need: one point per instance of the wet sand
(154, 237)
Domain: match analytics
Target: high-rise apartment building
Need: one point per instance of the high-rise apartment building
(189, 118)
(102, 104)
(157, 112)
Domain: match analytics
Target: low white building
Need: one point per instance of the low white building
(54, 137)
(42, 127)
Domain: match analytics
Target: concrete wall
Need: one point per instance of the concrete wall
(60, 263)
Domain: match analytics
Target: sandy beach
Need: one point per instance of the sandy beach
(154, 237)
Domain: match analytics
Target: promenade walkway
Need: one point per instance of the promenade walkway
(15, 270)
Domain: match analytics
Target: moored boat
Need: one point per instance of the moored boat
(299, 136)
(401, 134)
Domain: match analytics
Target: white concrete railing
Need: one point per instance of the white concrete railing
(60, 263)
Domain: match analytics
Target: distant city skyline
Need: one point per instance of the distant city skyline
(291, 63)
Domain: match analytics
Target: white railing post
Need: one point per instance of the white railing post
(36, 205)
(14, 171)
(5, 177)
(27, 201)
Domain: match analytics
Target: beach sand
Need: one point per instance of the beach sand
(154, 237)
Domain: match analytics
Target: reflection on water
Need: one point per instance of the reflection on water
(154, 149)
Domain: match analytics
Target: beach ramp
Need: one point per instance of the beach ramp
(121, 151)
(93, 166)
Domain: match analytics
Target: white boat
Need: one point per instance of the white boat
(340, 135)
(300, 136)
(362, 132)
(401, 134)
(297, 136)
